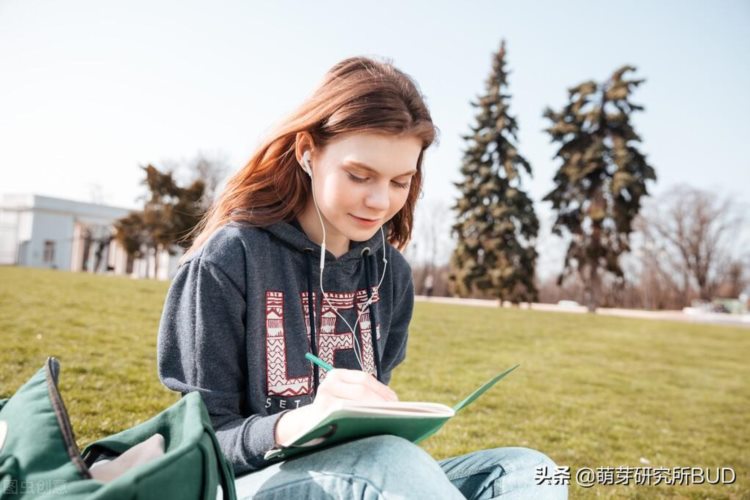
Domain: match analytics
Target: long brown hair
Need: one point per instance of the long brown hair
(358, 94)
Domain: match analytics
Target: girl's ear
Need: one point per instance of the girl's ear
(303, 144)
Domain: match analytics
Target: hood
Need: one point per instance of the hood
(292, 235)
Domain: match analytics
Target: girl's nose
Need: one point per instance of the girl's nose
(377, 198)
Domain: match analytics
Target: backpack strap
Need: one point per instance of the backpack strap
(52, 372)
(226, 474)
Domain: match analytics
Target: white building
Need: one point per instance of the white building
(41, 231)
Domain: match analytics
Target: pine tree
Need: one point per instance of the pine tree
(496, 225)
(598, 187)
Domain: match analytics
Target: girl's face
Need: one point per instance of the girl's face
(361, 181)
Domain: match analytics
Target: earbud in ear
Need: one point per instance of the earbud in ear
(306, 163)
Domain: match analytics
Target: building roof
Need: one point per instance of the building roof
(35, 202)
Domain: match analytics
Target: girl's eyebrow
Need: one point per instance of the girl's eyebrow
(353, 163)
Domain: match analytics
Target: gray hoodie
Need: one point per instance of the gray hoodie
(242, 312)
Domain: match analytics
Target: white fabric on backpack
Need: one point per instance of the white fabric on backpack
(142, 453)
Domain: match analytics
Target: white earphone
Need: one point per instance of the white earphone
(306, 163)
(357, 351)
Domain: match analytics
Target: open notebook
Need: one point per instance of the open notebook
(414, 421)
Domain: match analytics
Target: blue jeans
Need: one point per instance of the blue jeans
(388, 467)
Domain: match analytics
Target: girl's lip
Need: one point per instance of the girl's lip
(368, 222)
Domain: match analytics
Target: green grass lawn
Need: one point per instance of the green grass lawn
(591, 391)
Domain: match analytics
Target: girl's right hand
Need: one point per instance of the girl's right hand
(339, 385)
(351, 385)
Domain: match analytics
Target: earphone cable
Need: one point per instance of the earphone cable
(353, 330)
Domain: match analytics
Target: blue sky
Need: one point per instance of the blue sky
(90, 90)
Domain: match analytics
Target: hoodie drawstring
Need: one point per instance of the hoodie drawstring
(373, 318)
(311, 315)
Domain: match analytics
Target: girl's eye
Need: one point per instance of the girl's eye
(361, 180)
(355, 178)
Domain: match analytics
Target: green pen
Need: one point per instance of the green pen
(319, 362)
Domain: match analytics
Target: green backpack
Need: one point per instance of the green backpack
(39, 457)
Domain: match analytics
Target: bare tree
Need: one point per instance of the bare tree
(692, 242)
(431, 244)
(737, 279)
(212, 170)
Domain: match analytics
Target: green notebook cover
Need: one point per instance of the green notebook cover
(409, 420)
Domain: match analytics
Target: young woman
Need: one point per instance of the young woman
(300, 254)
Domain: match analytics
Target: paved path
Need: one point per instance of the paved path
(690, 316)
